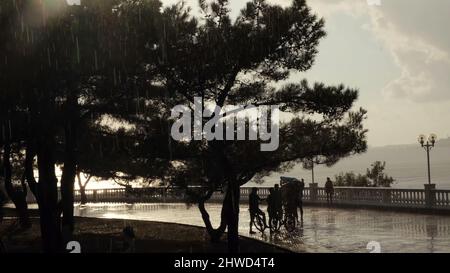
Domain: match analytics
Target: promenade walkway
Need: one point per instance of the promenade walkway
(324, 229)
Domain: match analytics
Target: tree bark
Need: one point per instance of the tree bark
(70, 167)
(1, 208)
(229, 218)
(232, 216)
(68, 181)
(83, 197)
(17, 196)
(30, 153)
(215, 234)
(48, 195)
(232, 197)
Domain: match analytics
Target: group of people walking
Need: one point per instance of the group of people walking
(279, 201)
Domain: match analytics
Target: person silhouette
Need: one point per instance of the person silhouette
(271, 206)
(300, 188)
(329, 190)
(253, 205)
(278, 202)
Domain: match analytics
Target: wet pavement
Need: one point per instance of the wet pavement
(323, 229)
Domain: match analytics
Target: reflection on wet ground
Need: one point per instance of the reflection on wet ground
(323, 229)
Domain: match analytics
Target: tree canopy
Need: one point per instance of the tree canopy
(225, 63)
(65, 71)
(374, 177)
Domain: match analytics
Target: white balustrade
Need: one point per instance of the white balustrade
(364, 196)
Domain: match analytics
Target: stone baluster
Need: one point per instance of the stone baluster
(313, 191)
(387, 196)
(430, 195)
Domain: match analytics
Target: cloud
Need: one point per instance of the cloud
(412, 31)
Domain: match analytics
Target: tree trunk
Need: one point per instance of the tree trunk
(67, 183)
(20, 202)
(214, 234)
(70, 167)
(1, 208)
(83, 197)
(229, 218)
(17, 196)
(232, 216)
(232, 198)
(48, 195)
(30, 153)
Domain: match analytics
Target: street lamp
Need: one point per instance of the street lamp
(427, 145)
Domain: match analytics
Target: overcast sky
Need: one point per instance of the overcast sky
(395, 53)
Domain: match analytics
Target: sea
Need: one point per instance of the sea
(407, 164)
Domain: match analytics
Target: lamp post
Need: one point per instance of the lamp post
(427, 145)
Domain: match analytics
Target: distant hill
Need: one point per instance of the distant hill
(406, 163)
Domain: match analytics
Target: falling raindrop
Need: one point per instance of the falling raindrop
(78, 50)
(48, 57)
(137, 102)
(9, 127)
(22, 24)
(114, 76)
(95, 60)
(140, 17)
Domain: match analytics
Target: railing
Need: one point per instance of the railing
(408, 197)
(442, 198)
(358, 196)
